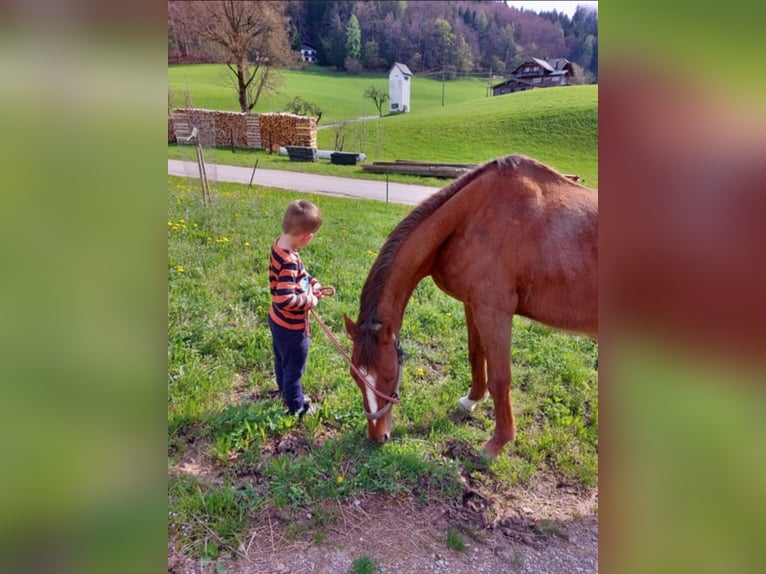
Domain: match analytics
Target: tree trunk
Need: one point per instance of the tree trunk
(242, 88)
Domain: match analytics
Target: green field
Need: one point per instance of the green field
(222, 410)
(558, 126)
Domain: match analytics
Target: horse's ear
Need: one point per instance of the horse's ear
(350, 326)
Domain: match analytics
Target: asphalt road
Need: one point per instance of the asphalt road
(306, 182)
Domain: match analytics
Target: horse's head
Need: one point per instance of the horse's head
(377, 369)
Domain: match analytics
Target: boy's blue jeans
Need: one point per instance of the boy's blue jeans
(291, 350)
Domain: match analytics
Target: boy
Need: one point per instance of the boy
(293, 293)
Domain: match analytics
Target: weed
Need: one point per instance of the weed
(363, 565)
(455, 540)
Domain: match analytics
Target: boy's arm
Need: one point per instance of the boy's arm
(288, 294)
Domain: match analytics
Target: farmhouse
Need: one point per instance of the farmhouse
(308, 53)
(399, 89)
(536, 73)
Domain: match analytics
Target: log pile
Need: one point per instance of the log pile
(259, 131)
(282, 130)
(419, 168)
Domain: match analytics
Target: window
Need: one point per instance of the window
(536, 80)
(406, 78)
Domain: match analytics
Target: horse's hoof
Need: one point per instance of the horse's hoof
(486, 456)
(466, 405)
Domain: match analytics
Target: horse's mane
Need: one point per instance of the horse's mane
(373, 286)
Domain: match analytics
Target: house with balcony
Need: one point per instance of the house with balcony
(536, 73)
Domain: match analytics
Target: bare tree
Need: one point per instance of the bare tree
(251, 37)
(377, 96)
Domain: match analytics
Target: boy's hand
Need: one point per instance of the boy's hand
(314, 300)
(316, 289)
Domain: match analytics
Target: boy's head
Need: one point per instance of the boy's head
(302, 220)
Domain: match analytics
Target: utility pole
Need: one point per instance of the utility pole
(442, 83)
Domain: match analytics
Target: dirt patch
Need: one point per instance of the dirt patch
(546, 526)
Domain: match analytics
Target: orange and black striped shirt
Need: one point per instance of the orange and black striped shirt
(290, 286)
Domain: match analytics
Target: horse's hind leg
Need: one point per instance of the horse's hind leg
(494, 328)
(478, 362)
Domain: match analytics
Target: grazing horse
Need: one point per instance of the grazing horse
(511, 237)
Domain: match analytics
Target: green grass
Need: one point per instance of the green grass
(363, 565)
(455, 540)
(221, 407)
(558, 126)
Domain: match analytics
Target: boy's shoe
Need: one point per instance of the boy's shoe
(306, 409)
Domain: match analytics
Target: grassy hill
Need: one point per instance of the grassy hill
(558, 126)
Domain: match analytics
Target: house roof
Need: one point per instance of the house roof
(559, 63)
(543, 64)
(402, 68)
(512, 81)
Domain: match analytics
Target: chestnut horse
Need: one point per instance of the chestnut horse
(511, 237)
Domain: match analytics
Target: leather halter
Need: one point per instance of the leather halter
(394, 398)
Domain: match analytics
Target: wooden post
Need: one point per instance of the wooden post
(253, 174)
(203, 175)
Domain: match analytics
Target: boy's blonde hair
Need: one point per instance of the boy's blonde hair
(301, 216)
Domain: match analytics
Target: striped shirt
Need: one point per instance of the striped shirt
(290, 286)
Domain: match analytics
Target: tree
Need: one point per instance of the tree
(353, 38)
(252, 39)
(302, 107)
(378, 97)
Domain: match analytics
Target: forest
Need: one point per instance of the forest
(454, 38)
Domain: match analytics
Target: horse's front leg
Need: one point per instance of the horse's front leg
(494, 329)
(478, 367)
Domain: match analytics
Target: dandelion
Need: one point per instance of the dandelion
(180, 268)
(339, 480)
(421, 372)
(247, 244)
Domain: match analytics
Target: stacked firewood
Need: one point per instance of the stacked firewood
(281, 130)
(260, 131)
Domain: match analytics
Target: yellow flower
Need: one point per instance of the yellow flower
(247, 244)
(339, 480)
(421, 372)
(180, 268)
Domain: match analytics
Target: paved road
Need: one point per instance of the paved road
(311, 183)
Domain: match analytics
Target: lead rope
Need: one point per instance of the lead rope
(330, 291)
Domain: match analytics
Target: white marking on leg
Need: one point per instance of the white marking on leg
(372, 399)
(467, 405)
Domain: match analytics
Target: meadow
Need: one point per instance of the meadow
(233, 452)
(558, 126)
